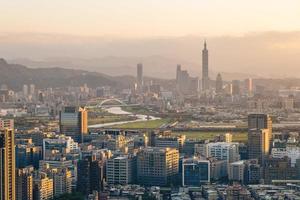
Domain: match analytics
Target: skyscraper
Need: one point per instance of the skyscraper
(258, 144)
(248, 86)
(219, 84)
(260, 121)
(236, 89)
(259, 136)
(90, 175)
(73, 122)
(7, 165)
(205, 77)
(140, 79)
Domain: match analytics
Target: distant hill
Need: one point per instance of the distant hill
(15, 75)
(154, 66)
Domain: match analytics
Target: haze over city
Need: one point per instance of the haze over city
(259, 38)
(149, 100)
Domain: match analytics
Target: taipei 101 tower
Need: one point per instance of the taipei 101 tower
(205, 78)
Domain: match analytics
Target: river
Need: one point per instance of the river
(119, 111)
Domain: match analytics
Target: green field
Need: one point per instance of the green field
(145, 124)
(109, 119)
(237, 137)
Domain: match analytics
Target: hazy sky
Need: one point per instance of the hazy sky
(144, 18)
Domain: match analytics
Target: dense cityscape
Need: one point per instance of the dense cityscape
(149, 100)
(186, 138)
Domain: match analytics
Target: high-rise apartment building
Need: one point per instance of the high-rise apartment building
(7, 165)
(73, 122)
(205, 76)
(157, 166)
(43, 187)
(139, 77)
(24, 183)
(62, 181)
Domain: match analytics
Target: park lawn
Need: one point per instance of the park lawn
(144, 124)
(237, 137)
(109, 119)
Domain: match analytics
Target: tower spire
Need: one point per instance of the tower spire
(205, 44)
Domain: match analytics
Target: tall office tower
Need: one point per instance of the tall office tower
(261, 121)
(258, 144)
(25, 90)
(24, 183)
(7, 165)
(223, 151)
(195, 172)
(178, 71)
(43, 187)
(31, 89)
(205, 77)
(219, 84)
(248, 86)
(73, 122)
(90, 175)
(157, 166)
(236, 88)
(121, 170)
(139, 77)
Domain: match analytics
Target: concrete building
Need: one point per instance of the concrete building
(157, 166)
(236, 171)
(121, 170)
(7, 165)
(176, 142)
(43, 187)
(223, 151)
(59, 145)
(195, 172)
(62, 181)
